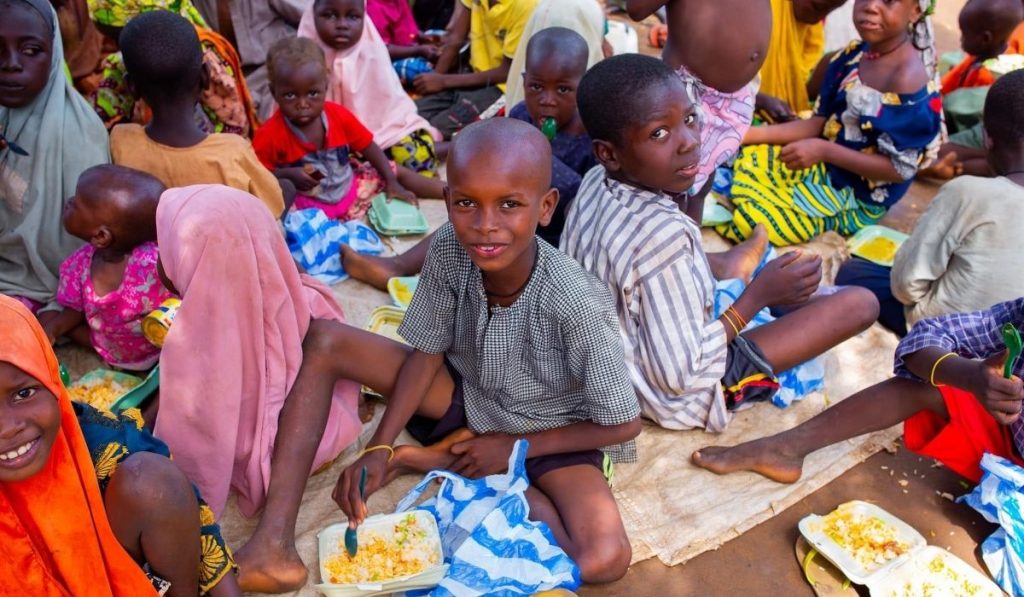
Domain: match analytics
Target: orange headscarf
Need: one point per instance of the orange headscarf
(54, 535)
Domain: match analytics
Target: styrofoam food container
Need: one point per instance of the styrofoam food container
(332, 542)
(911, 577)
(811, 528)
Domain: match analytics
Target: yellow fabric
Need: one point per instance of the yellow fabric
(495, 28)
(219, 159)
(793, 52)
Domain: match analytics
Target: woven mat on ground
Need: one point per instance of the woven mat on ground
(671, 509)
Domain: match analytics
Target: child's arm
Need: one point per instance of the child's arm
(414, 379)
(375, 155)
(427, 83)
(639, 10)
(984, 378)
(455, 35)
(808, 152)
(488, 454)
(424, 51)
(788, 132)
(61, 324)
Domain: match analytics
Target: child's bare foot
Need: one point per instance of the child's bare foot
(758, 456)
(374, 270)
(741, 260)
(415, 459)
(268, 566)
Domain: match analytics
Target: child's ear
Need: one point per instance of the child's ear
(102, 238)
(605, 153)
(547, 206)
(446, 192)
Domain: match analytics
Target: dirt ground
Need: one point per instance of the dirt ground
(762, 561)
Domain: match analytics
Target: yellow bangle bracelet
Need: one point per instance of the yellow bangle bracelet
(737, 315)
(935, 366)
(380, 447)
(729, 319)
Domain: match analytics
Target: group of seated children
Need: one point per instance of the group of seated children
(508, 336)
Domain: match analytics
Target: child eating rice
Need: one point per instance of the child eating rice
(108, 286)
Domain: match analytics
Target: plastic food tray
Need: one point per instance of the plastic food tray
(901, 575)
(385, 321)
(331, 541)
(715, 213)
(396, 217)
(133, 397)
(860, 242)
(402, 289)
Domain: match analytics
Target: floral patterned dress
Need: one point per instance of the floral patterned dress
(798, 205)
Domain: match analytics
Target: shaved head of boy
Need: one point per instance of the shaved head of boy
(556, 60)
(163, 57)
(499, 189)
(1004, 124)
(114, 207)
(986, 25)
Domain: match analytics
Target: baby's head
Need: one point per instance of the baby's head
(164, 59)
(339, 23)
(499, 190)
(298, 79)
(644, 121)
(986, 25)
(26, 39)
(814, 11)
(114, 207)
(556, 60)
(880, 21)
(1004, 123)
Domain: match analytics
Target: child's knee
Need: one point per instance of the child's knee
(324, 340)
(605, 560)
(859, 305)
(147, 482)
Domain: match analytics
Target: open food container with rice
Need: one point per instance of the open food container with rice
(112, 390)
(397, 552)
(876, 549)
(877, 244)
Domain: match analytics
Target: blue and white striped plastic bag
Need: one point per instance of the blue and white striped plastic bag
(491, 546)
(998, 499)
(314, 241)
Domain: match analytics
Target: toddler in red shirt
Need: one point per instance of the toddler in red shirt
(310, 141)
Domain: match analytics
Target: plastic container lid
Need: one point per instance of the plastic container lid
(877, 244)
(396, 217)
(402, 289)
(331, 543)
(934, 571)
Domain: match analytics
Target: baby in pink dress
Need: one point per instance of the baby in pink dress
(108, 286)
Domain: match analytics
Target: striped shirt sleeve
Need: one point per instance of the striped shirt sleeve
(683, 349)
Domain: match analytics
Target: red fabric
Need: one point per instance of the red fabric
(276, 145)
(968, 73)
(55, 539)
(394, 21)
(960, 442)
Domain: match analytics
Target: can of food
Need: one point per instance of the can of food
(156, 324)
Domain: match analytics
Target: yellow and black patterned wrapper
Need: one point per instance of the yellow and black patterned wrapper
(156, 324)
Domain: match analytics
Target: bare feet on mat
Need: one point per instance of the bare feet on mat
(741, 260)
(374, 270)
(267, 566)
(758, 456)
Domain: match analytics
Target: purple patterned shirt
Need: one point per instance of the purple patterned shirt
(975, 335)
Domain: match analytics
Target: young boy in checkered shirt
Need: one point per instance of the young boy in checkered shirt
(511, 339)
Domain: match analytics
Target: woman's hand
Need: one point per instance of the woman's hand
(483, 455)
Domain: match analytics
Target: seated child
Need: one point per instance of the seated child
(360, 77)
(108, 286)
(875, 123)
(628, 227)
(556, 61)
(165, 63)
(797, 44)
(411, 52)
(550, 371)
(308, 140)
(949, 392)
(986, 32)
(93, 505)
(958, 256)
(451, 100)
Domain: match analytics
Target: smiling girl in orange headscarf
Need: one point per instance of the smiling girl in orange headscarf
(90, 505)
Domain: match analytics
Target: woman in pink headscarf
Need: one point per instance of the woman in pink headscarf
(363, 80)
(234, 408)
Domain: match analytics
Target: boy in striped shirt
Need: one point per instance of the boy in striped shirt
(628, 226)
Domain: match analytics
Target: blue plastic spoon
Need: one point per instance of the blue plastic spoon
(14, 147)
(1013, 348)
(351, 539)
